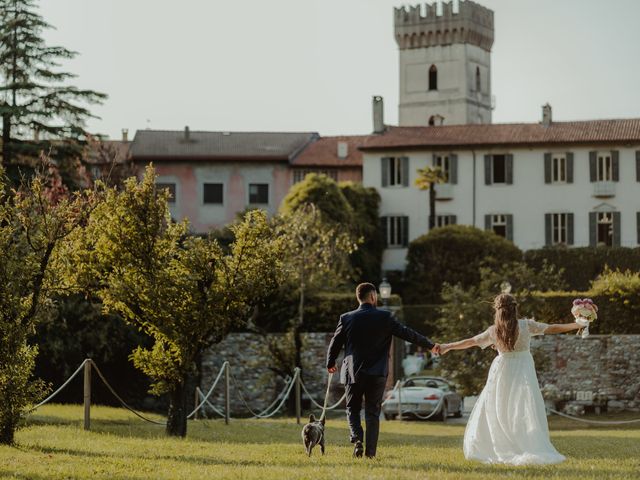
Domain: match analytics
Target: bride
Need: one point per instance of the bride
(508, 423)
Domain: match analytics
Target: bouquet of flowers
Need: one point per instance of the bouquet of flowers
(585, 312)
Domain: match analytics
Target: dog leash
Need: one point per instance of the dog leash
(326, 397)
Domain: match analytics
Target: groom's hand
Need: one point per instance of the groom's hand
(333, 369)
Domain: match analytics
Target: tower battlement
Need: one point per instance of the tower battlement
(472, 24)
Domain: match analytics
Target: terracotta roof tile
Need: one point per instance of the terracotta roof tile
(324, 152)
(592, 131)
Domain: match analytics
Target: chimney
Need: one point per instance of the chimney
(378, 114)
(125, 135)
(186, 134)
(546, 115)
(343, 150)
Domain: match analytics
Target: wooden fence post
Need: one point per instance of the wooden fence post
(196, 403)
(87, 394)
(227, 394)
(298, 397)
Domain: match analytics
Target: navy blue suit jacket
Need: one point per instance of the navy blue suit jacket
(366, 335)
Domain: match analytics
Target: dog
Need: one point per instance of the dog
(313, 434)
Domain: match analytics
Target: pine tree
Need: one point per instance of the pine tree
(37, 107)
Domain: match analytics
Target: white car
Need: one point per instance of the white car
(421, 397)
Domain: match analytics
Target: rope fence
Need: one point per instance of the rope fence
(294, 383)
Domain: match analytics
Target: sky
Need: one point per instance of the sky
(313, 65)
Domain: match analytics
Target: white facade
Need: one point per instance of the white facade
(527, 200)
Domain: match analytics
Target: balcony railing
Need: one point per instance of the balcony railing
(604, 189)
(444, 191)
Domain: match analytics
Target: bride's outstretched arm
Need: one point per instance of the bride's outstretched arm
(562, 328)
(460, 345)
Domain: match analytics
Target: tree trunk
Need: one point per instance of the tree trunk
(177, 416)
(7, 430)
(432, 207)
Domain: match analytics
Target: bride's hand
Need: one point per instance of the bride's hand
(444, 348)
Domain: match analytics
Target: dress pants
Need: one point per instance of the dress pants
(372, 388)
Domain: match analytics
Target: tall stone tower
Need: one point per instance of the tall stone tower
(445, 64)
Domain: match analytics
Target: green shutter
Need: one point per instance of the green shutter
(638, 166)
(638, 226)
(547, 168)
(453, 168)
(615, 163)
(570, 240)
(384, 231)
(405, 171)
(569, 156)
(593, 166)
(593, 229)
(385, 171)
(487, 222)
(405, 231)
(509, 219)
(508, 161)
(487, 170)
(548, 239)
(617, 228)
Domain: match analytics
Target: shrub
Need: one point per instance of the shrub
(453, 254)
(583, 264)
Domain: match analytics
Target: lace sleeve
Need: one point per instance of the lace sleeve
(484, 339)
(536, 328)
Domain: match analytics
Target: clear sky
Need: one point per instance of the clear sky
(313, 65)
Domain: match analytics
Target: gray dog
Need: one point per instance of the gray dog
(313, 434)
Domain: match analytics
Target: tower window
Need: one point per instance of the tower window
(433, 78)
(478, 85)
(432, 121)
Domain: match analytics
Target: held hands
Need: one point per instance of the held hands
(333, 369)
(440, 349)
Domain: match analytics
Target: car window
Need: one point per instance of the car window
(427, 382)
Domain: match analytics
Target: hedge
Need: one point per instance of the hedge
(583, 264)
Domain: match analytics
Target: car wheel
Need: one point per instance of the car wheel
(442, 414)
(458, 414)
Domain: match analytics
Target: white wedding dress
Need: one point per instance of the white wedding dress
(508, 423)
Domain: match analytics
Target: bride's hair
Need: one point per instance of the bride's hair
(506, 321)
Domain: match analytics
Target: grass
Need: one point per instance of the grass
(53, 445)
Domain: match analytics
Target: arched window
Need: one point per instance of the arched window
(432, 121)
(478, 85)
(433, 78)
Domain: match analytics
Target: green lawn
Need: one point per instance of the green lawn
(120, 446)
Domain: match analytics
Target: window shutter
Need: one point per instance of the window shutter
(638, 166)
(405, 231)
(509, 219)
(615, 163)
(569, 167)
(616, 229)
(593, 166)
(570, 229)
(508, 166)
(405, 171)
(433, 160)
(593, 226)
(487, 169)
(547, 168)
(638, 226)
(385, 171)
(384, 231)
(453, 169)
(487, 222)
(453, 220)
(547, 229)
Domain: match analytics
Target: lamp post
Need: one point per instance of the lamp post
(385, 291)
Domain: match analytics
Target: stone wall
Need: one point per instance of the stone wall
(600, 372)
(249, 360)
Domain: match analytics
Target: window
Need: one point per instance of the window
(499, 170)
(478, 85)
(212, 193)
(605, 167)
(604, 232)
(396, 230)
(395, 172)
(560, 228)
(558, 168)
(172, 190)
(499, 225)
(444, 220)
(258, 193)
(443, 163)
(432, 121)
(433, 78)
(300, 174)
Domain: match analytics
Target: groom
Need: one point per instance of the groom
(366, 335)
